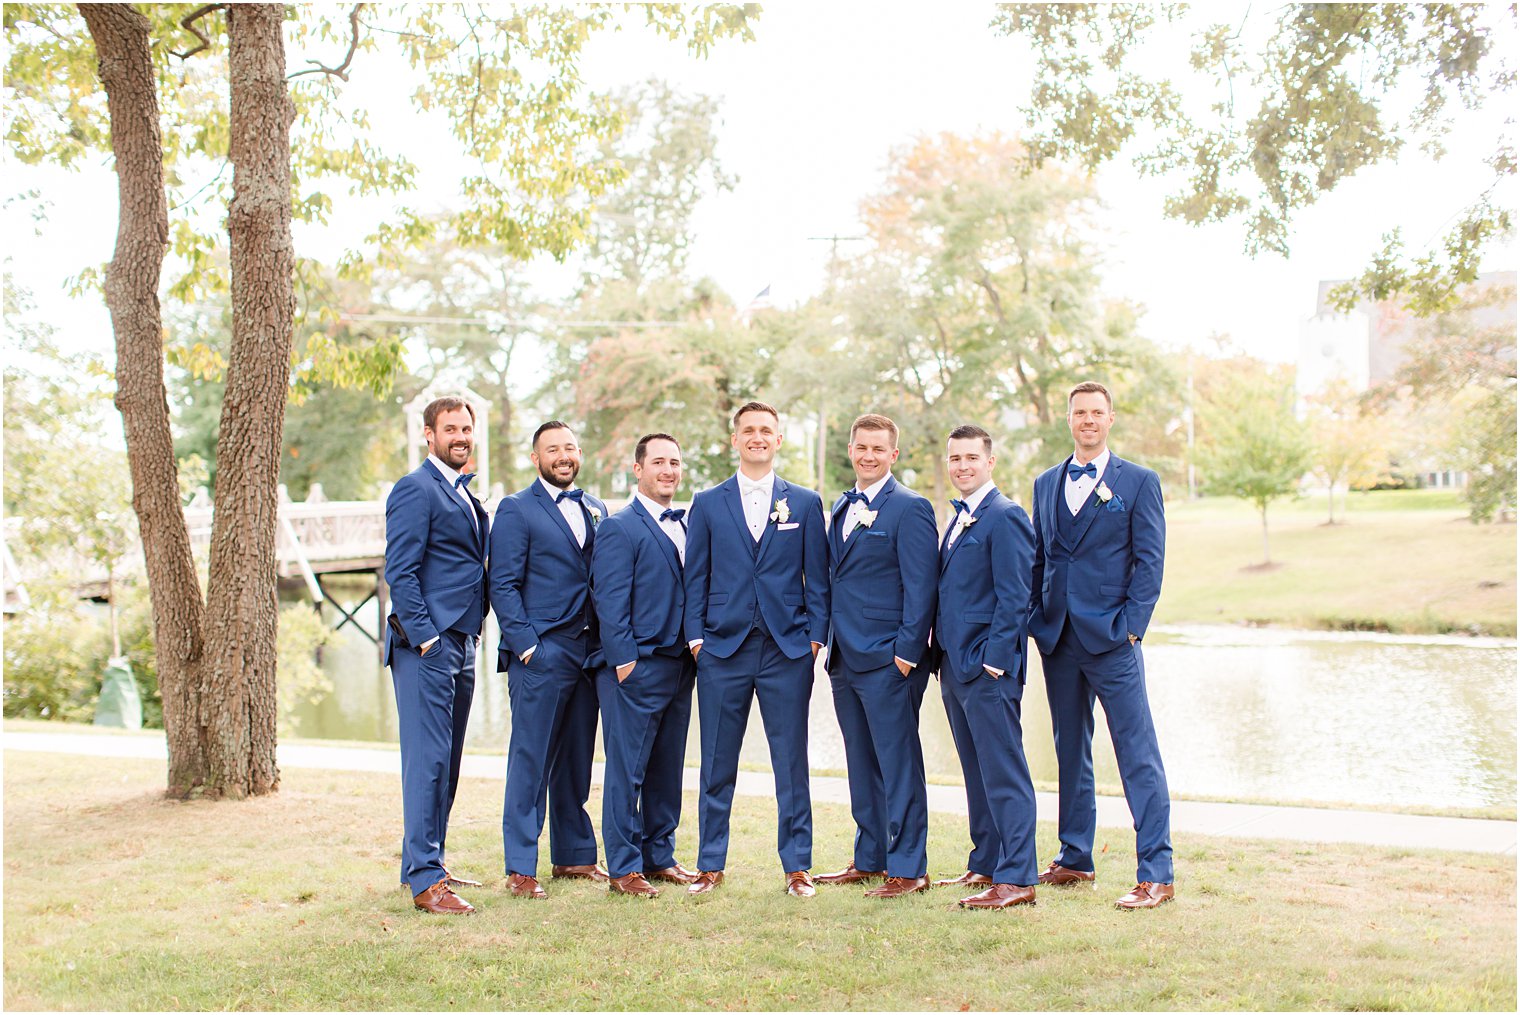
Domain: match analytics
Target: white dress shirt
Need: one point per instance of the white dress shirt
(972, 503)
(852, 514)
(672, 528)
(574, 516)
(758, 502)
(452, 476)
(1081, 488)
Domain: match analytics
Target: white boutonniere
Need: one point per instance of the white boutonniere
(964, 522)
(782, 512)
(596, 516)
(866, 518)
(1104, 493)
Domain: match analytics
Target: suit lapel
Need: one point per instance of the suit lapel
(873, 505)
(453, 498)
(552, 508)
(1055, 500)
(836, 527)
(976, 516)
(779, 487)
(667, 548)
(483, 524)
(1086, 517)
(735, 501)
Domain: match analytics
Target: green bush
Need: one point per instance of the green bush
(56, 651)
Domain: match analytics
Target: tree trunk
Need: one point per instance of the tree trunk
(1266, 549)
(120, 35)
(241, 609)
(1332, 502)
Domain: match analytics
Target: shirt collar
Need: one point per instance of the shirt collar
(1100, 463)
(874, 489)
(767, 482)
(452, 475)
(980, 494)
(552, 490)
(654, 507)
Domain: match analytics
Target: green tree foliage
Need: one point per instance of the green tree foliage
(1461, 363)
(978, 299)
(1300, 104)
(1350, 440)
(66, 479)
(1257, 449)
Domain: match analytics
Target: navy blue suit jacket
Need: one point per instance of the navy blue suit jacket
(1107, 583)
(729, 579)
(540, 578)
(984, 591)
(640, 598)
(435, 560)
(883, 581)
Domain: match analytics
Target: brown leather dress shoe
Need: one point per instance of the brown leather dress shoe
(800, 884)
(675, 875)
(706, 882)
(525, 886)
(455, 881)
(1055, 874)
(1001, 896)
(1146, 895)
(438, 899)
(849, 876)
(632, 884)
(967, 878)
(592, 871)
(899, 886)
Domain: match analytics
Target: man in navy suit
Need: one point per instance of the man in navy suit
(979, 633)
(646, 679)
(757, 612)
(1100, 544)
(883, 577)
(541, 547)
(435, 564)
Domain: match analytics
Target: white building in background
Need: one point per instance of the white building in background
(1334, 345)
(1365, 347)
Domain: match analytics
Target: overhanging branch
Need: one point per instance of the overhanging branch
(340, 71)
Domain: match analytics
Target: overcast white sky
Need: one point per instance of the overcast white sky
(810, 111)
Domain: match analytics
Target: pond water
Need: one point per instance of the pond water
(1241, 712)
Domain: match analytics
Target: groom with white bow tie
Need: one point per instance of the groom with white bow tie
(757, 612)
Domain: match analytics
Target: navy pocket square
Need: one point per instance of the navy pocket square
(1115, 503)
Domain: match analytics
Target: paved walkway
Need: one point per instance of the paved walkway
(1261, 821)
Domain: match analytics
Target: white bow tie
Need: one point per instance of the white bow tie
(746, 488)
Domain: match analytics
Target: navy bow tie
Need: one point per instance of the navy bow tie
(464, 479)
(960, 506)
(1076, 471)
(676, 513)
(574, 495)
(852, 495)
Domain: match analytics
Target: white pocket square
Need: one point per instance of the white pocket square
(788, 525)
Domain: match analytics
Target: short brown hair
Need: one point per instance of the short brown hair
(756, 407)
(448, 403)
(642, 447)
(1092, 386)
(546, 426)
(970, 431)
(874, 421)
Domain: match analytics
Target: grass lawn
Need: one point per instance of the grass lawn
(1402, 561)
(117, 899)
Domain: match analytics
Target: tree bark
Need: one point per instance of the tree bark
(120, 34)
(1266, 549)
(241, 608)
